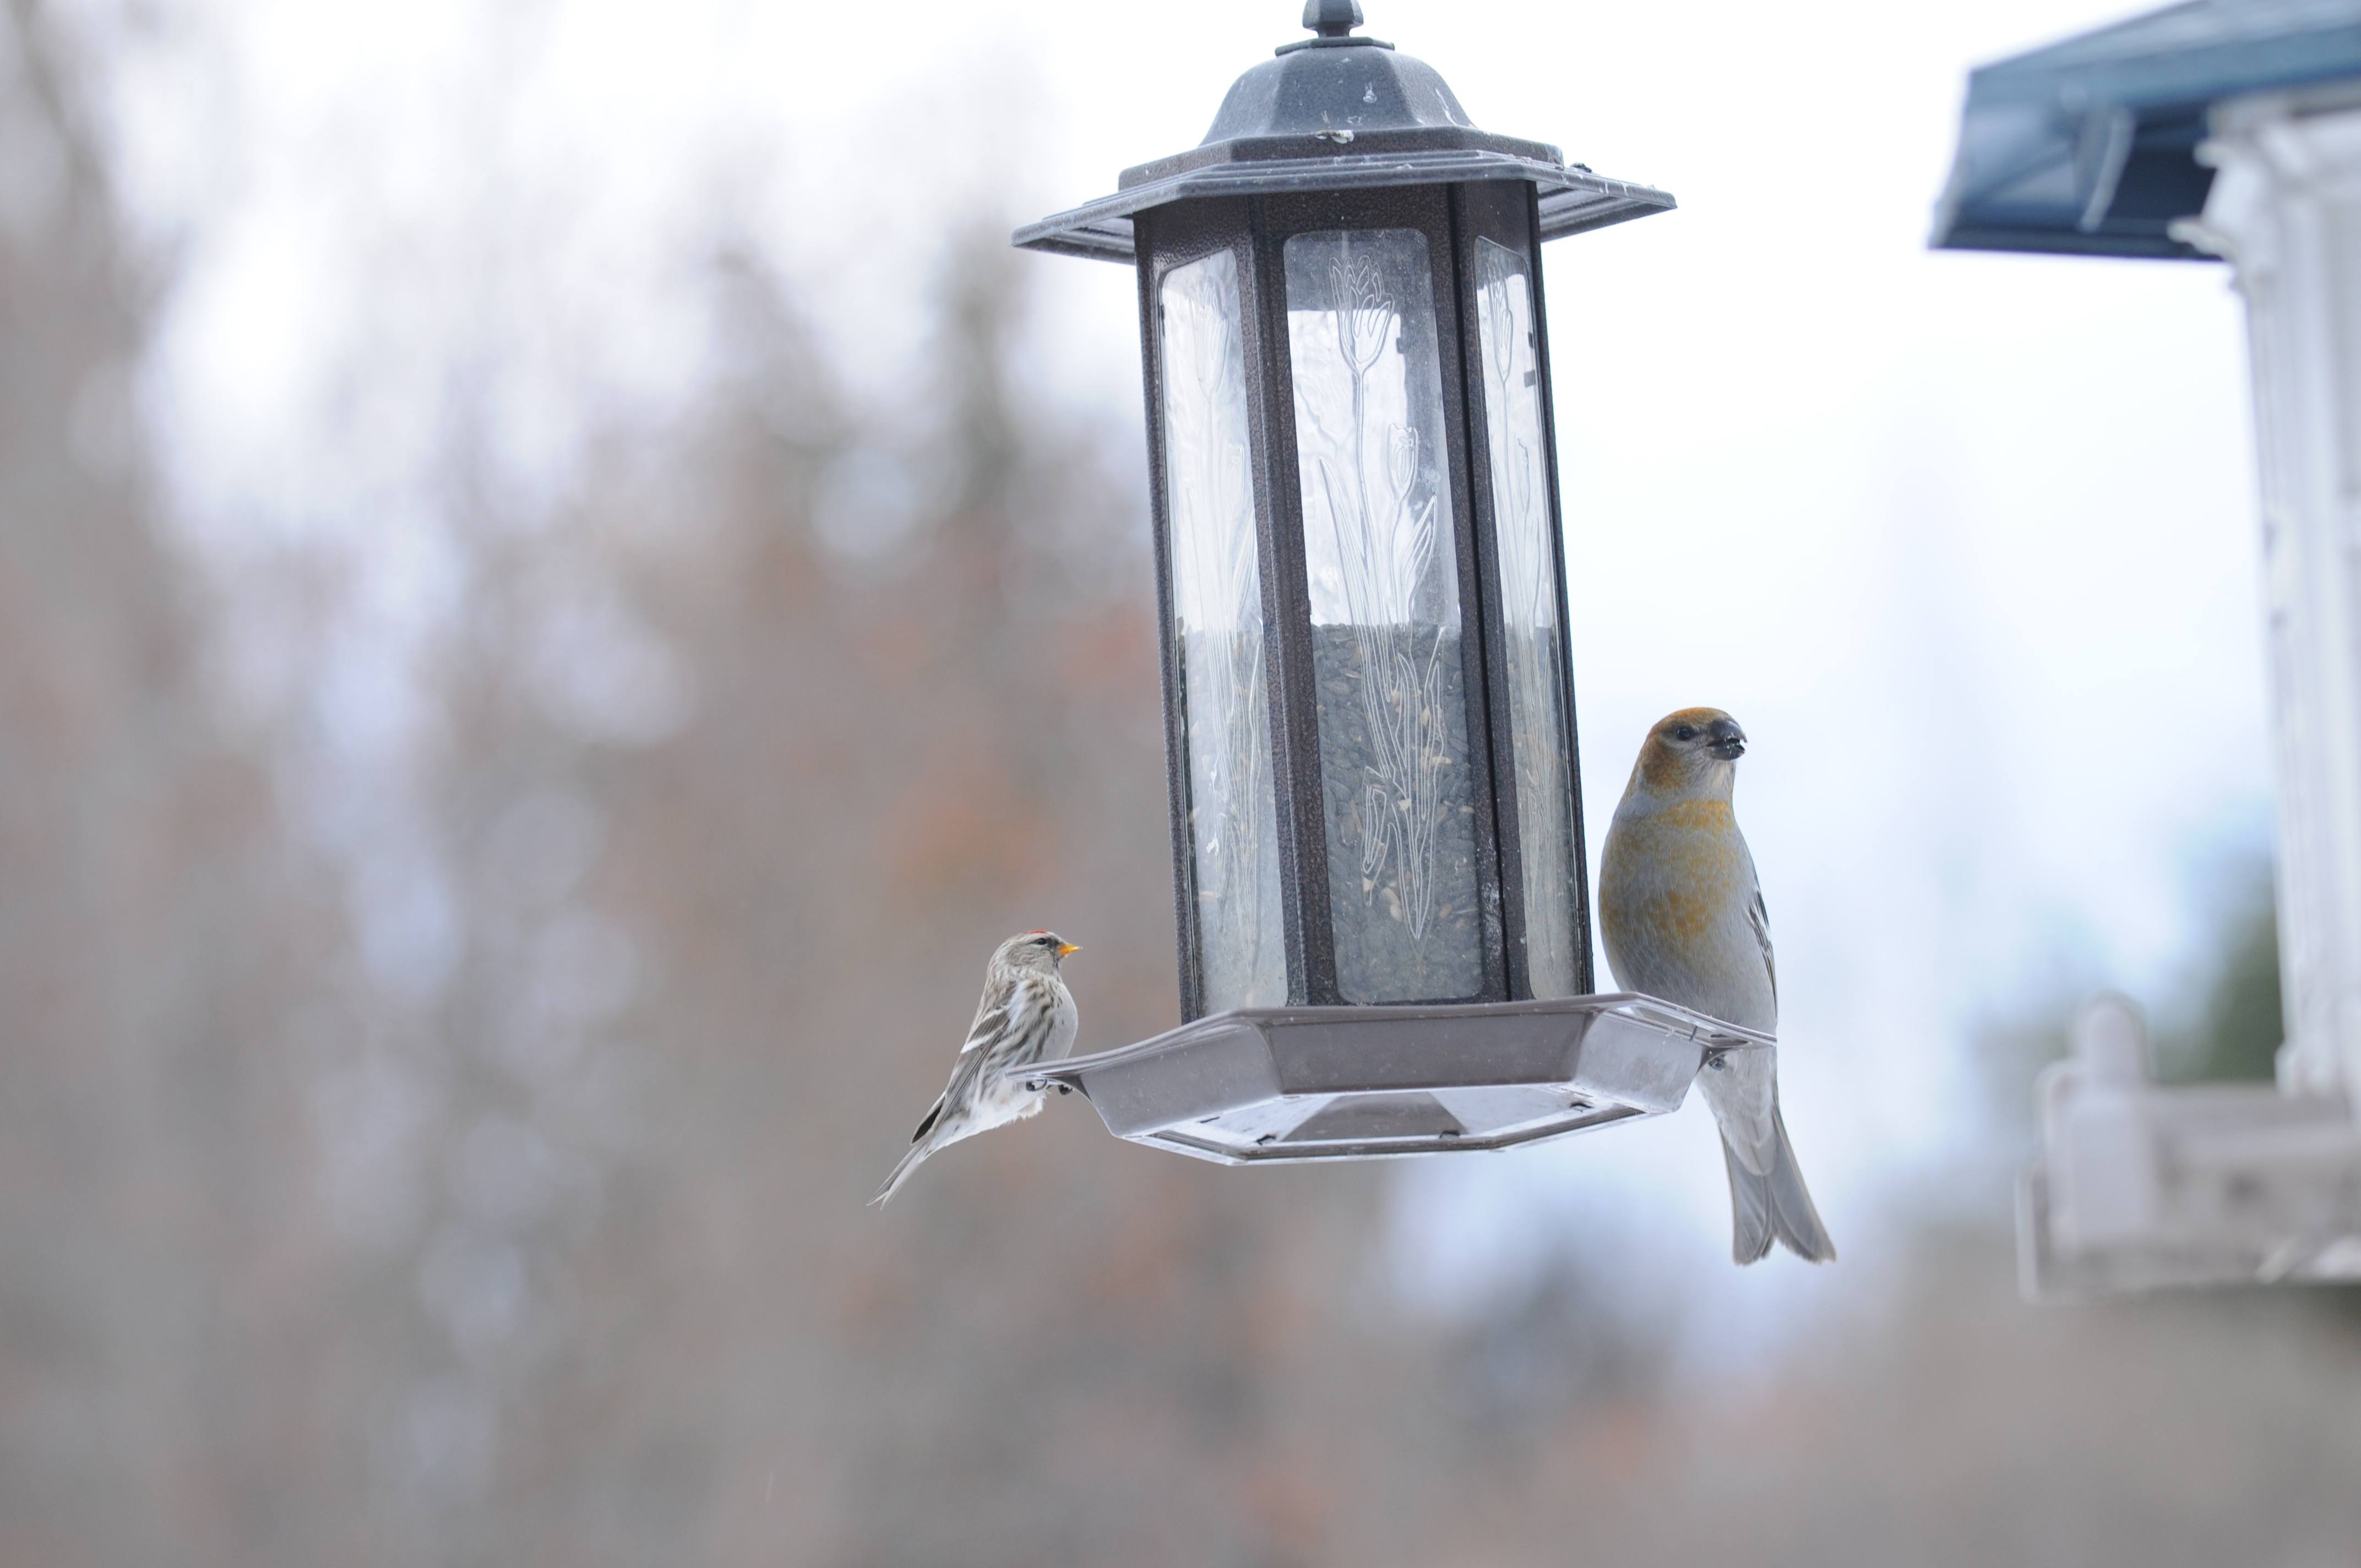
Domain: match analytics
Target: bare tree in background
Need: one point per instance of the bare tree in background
(880, 764)
(161, 1283)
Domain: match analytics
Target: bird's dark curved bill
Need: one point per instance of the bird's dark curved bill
(1730, 751)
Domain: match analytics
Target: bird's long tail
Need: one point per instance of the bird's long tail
(903, 1168)
(925, 1142)
(1774, 1206)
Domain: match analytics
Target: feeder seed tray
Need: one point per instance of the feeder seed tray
(1290, 1083)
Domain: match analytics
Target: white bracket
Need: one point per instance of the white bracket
(2140, 1186)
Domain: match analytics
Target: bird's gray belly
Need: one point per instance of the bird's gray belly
(1722, 976)
(1062, 1031)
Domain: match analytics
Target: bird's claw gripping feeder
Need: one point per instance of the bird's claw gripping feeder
(1378, 847)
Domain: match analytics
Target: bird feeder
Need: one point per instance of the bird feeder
(1377, 829)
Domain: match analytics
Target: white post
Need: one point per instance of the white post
(2286, 211)
(2139, 1185)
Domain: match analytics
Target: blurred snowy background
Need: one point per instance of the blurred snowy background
(561, 587)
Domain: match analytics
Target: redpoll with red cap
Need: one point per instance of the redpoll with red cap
(1027, 1018)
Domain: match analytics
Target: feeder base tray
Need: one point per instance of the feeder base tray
(1290, 1083)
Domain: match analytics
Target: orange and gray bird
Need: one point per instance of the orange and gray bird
(1683, 915)
(1027, 1018)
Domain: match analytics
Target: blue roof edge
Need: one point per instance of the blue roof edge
(2088, 146)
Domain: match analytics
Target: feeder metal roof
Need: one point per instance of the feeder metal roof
(1341, 112)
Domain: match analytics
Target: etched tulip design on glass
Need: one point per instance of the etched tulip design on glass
(1217, 615)
(1385, 611)
(1531, 629)
(1402, 704)
(1401, 707)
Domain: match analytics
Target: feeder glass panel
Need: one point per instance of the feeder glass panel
(1399, 798)
(1217, 622)
(1531, 629)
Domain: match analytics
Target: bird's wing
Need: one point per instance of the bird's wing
(990, 1014)
(1024, 1027)
(991, 1023)
(971, 1066)
(1760, 918)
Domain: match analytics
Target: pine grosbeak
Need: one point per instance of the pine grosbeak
(1683, 916)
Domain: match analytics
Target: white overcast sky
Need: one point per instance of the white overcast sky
(1966, 542)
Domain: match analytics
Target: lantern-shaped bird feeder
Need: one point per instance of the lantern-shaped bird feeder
(1378, 846)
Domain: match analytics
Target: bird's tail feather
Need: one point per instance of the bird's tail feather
(1774, 1206)
(909, 1161)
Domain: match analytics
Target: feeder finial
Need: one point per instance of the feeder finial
(1332, 18)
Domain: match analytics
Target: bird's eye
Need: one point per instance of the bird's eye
(1685, 732)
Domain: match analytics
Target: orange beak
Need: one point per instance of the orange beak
(1069, 947)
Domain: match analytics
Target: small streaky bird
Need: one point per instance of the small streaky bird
(1027, 1016)
(1684, 919)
